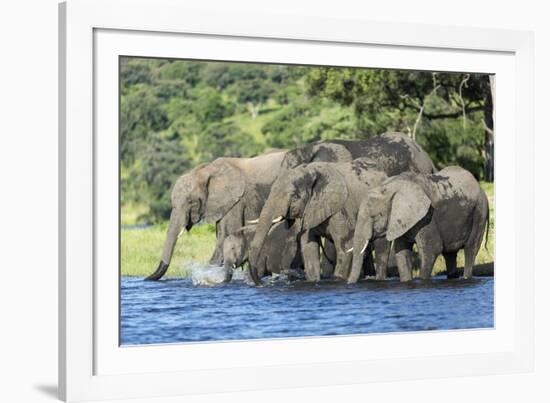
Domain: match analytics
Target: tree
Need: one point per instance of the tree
(163, 161)
(226, 140)
(400, 100)
(141, 114)
(209, 106)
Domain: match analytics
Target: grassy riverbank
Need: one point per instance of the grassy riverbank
(141, 250)
(141, 247)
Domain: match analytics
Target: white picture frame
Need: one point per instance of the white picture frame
(93, 33)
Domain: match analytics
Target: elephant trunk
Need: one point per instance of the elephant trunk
(268, 217)
(361, 237)
(178, 221)
(228, 271)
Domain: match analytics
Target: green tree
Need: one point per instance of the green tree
(163, 161)
(226, 140)
(141, 115)
(209, 106)
(400, 100)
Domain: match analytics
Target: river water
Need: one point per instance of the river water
(180, 310)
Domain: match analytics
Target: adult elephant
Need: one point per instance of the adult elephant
(442, 213)
(227, 192)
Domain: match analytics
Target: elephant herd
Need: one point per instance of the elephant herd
(332, 209)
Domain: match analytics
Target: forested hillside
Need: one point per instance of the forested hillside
(178, 114)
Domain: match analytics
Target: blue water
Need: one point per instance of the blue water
(174, 310)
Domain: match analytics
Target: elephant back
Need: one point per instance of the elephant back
(393, 153)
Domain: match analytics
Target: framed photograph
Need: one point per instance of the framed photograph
(332, 202)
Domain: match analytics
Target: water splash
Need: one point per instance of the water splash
(240, 275)
(206, 275)
(210, 275)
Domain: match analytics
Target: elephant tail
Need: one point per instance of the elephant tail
(487, 230)
(325, 253)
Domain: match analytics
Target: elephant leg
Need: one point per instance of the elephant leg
(469, 259)
(429, 246)
(262, 265)
(382, 250)
(450, 264)
(343, 259)
(328, 259)
(343, 264)
(217, 256)
(341, 232)
(473, 244)
(285, 261)
(403, 258)
(427, 260)
(310, 253)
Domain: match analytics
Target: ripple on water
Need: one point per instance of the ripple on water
(200, 309)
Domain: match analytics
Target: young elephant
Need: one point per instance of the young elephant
(442, 213)
(280, 255)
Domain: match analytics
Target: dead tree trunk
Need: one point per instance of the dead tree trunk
(489, 123)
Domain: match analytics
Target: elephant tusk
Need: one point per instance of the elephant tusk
(276, 220)
(253, 221)
(350, 250)
(181, 232)
(234, 266)
(364, 247)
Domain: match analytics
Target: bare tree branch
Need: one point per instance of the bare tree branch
(420, 105)
(463, 83)
(453, 114)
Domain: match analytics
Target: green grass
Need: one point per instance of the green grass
(141, 248)
(131, 213)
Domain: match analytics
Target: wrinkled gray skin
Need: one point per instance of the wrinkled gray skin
(391, 153)
(323, 198)
(279, 255)
(442, 213)
(227, 191)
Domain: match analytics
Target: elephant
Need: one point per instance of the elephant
(280, 255)
(442, 213)
(227, 191)
(322, 198)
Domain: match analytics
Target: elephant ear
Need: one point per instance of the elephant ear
(329, 192)
(225, 185)
(298, 156)
(409, 205)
